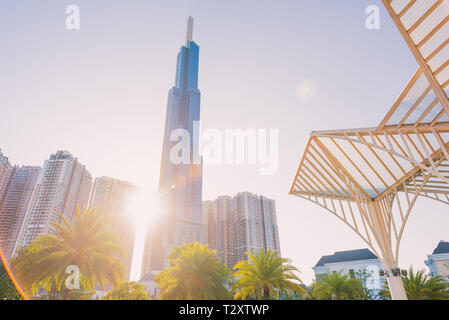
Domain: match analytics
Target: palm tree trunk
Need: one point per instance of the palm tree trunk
(266, 293)
(67, 294)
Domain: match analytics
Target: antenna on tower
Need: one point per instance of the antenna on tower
(189, 35)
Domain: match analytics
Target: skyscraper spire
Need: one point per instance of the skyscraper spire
(189, 34)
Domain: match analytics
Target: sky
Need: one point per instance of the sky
(101, 93)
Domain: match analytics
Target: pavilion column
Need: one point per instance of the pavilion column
(389, 262)
(397, 289)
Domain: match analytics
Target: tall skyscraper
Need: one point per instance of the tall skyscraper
(180, 185)
(63, 185)
(244, 223)
(111, 197)
(15, 195)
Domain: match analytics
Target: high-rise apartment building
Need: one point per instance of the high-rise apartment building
(239, 224)
(5, 168)
(220, 228)
(63, 185)
(111, 197)
(15, 195)
(209, 213)
(257, 224)
(180, 185)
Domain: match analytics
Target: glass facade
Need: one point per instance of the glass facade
(180, 185)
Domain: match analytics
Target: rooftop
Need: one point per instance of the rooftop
(442, 247)
(343, 256)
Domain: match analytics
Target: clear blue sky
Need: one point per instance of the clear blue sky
(101, 93)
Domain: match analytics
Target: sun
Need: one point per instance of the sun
(143, 208)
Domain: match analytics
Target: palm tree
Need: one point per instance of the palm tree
(86, 244)
(128, 291)
(194, 273)
(335, 286)
(420, 286)
(7, 289)
(266, 276)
